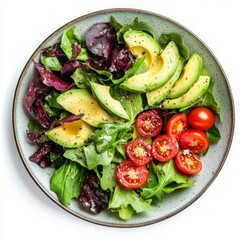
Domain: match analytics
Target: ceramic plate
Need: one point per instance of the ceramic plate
(213, 162)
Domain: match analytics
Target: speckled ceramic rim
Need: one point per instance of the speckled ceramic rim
(36, 180)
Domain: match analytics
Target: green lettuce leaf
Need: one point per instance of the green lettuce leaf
(127, 202)
(66, 181)
(72, 36)
(178, 39)
(88, 157)
(167, 180)
(135, 25)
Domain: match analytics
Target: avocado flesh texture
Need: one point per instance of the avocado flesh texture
(161, 71)
(142, 44)
(189, 98)
(102, 93)
(189, 76)
(158, 95)
(78, 101)
(71, 134)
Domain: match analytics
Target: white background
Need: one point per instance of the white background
(25, 212)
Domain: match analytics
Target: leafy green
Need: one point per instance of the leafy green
(213, 134)
(167, 179)
(52, 107)
(108, 179)
(66, 181)
(51, 63)
(110, 135)
(131, 102)
(127, 202)
(178, 39)
(88, 156)
(135, 25)
(83, 79)
(69, 37)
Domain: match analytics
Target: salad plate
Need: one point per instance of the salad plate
(213, 161)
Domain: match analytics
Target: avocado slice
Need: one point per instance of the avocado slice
(161, 71)
(189, 98)
(156, 96)
(71, 134)
(102, 93)
(189, 76)
(79, 101)
(142, 44)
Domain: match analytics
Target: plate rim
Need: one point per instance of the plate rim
(125, 224)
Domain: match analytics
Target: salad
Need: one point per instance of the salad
(122, 115)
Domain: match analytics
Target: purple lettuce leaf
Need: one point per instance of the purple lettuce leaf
(32, 100)
(51, 80)
(68, 119)
(42, 155)
(53, 51)
(121, 59)
(93, 197)
(100, 39)
(70, 66)
(34, 137)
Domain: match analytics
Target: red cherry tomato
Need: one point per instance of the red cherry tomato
(139, 151)
(149, 123)
(194, 140)
(131, 175)
(164, 148)
(188, 162)
(201, 118)
(176, 125)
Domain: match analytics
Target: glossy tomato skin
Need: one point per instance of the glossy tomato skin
(176, 125)
(149, 123)
(188, 162)
(201, 118)
(139, 151)
(131, 175)
(194, 140)
(164, 148)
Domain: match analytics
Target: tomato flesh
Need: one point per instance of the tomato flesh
(149, 123)
(131, 175)
(188, 162)
(201, 118)
(176, 125)
(164, 148)
(194, 140)
(139, 151)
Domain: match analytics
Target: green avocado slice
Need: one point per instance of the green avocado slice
(142, 44)
(102, 93)
(189, 76)
(157, 96)
(161, 71)
(79, 101)
(189, 98)
(71, 135)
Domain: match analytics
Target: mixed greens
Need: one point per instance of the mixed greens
(88, 172)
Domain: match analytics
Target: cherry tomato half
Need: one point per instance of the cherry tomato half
(149, 123)
(194, 140)
(131, 175)
(139, 151)
(188, 162)
(164, 148)
(201, 118)
(176, 125)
